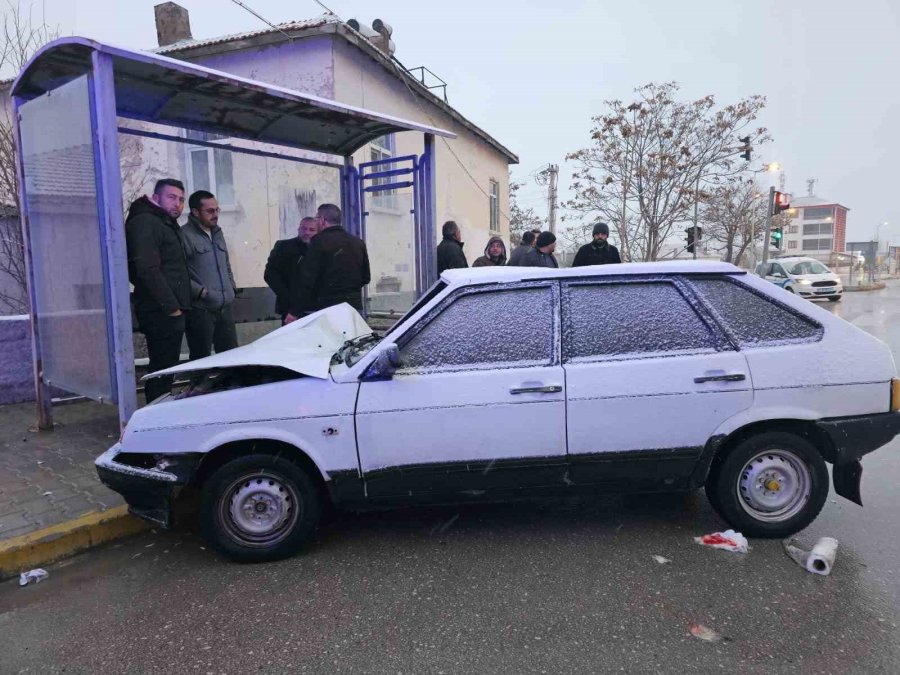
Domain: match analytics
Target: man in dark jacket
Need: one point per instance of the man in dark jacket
(599, 251)
(335, 269)
(210, 322)
(494, 254)
(450, 254)
(159, 273)
(542, 253)
(515, 258)
(283, 267)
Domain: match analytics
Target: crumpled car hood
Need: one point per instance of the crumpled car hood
(304, 346)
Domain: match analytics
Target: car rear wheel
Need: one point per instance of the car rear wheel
(770, 485)
(259, 508)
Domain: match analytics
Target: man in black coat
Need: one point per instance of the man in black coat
(599, 251)
(528, 237)
(542, 253)
(450, 254)
(159, 273)
(335, 269)
(285, 260)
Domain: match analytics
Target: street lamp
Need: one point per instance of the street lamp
(773, 167)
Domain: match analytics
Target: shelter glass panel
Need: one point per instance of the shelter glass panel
(390, 239)
(70, 300)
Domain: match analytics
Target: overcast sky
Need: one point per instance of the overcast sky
(533, 73)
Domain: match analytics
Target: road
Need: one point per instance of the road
(569, 586)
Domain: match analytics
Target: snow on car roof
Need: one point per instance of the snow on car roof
(510, 274)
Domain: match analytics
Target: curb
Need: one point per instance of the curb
(877, 286)
(27, 551)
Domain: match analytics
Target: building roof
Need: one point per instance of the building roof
(322, 25)
(177, 93)
(801, 202)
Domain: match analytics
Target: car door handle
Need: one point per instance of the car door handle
(543, 389)
(731, 377)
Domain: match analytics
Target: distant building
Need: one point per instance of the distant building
(817, 227)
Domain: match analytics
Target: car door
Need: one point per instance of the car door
(649, 379)
(778, 275)
(478, 402)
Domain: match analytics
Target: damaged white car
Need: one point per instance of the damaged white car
(505, 383)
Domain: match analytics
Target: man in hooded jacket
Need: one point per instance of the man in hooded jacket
(599, 251)
(494, 254)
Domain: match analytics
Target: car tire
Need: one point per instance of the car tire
(259, 508)
(834, 298)
(770, 485)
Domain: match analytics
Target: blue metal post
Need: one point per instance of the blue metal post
(429, 194)
(112, 230)
(41, 390)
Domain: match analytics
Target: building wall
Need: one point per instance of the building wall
(800, 226)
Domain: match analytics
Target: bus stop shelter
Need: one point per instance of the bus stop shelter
(68, 103)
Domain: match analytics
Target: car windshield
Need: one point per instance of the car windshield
(808, 267)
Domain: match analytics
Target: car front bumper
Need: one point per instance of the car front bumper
(827, 292)
(149, 493)
(852, 438)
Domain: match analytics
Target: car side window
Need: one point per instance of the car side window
(753, 319)
(487, 329)
(779, 271)
(630, 320)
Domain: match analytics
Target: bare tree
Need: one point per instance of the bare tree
(21, 37)
(520, 220)
(647, 159)
(734, 216)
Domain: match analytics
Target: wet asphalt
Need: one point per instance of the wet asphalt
(567, 586)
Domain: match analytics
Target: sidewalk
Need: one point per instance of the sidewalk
(48, 477)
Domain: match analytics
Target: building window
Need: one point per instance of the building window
(792, 229)
(817, 244)
(818, 213)
(494, 200)
(210, 168)
(817, 228)
(383, 148)
(792, 243)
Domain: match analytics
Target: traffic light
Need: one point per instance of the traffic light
(781, 203)
(746, 149)
(690, 238)
(777, 235)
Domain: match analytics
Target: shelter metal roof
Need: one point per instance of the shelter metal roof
(159, 89)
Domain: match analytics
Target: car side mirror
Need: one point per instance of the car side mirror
(385, 364)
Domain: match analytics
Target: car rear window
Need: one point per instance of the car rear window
(752, 319)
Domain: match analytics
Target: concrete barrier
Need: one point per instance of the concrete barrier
(16, 374)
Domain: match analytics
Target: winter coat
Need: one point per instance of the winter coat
(515, 259)
(156, 264)
(486, 260)
(595, 254)
(283, 270)
(450, 255)
(534, 258)
(335, 270)
(208, 266)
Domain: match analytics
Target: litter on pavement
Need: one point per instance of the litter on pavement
(729, 540)
(661, 560)
(698, 630)
(819, 560)
(35, 575)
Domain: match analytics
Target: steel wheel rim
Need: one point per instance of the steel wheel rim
(774, 486)
(259, 509)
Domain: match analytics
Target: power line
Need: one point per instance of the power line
(263, 19)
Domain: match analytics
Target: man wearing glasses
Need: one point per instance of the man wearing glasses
(210, 322)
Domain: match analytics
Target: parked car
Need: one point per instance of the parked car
(805, 277)
(504, 383)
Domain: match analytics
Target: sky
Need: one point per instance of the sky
(532, 74)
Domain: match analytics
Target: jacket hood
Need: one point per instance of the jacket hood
(144, 205)
(491, 241)
(304, 346)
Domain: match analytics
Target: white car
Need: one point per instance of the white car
(516, 383)
(805, 277)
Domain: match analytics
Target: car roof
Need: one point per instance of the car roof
(481, 275)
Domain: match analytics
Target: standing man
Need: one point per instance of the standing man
(542, 253)
(283, 266)
(210, 321)
(450, 254)
(159, 273)
(335, 269)
(599, 251)
(515, 258)
(494, 254)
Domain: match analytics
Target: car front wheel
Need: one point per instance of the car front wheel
(259, 508)
(770, 485)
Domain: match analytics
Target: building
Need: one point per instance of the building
(817, 227)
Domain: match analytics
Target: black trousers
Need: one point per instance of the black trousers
(207, 329)
(164, 334)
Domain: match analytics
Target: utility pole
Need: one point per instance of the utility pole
(770, 206)
(696, 202)
(552, 195)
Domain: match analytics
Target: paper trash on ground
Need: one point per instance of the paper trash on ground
(729, 540)
(35, 575)
(820, 560)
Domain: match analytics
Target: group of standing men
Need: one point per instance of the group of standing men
(535, 250)
(184, 285)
